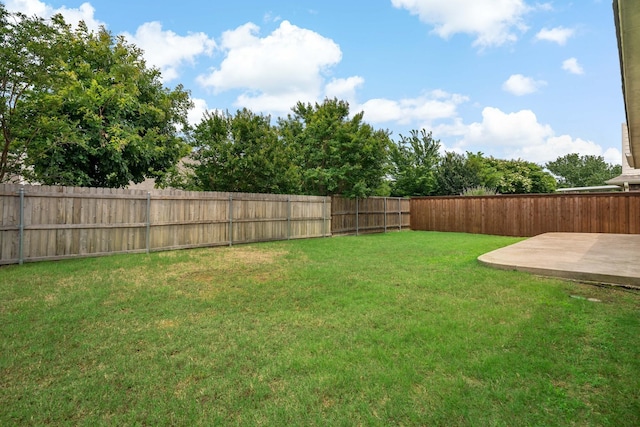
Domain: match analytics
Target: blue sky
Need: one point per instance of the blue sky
(511, 78)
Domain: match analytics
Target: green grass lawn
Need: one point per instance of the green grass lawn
(397, 329)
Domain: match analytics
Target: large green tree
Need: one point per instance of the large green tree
(241, 153)
(29, 64)
(457, 172)
(336, 154)
(574, 170)
(97, 117)
(413, 161)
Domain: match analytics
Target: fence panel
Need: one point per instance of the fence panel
(50, 223)
(9, 227)
(529, 215)
(371, 215)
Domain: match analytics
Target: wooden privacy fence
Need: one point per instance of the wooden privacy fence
(529, 215)
(51, 223)
(371, 215)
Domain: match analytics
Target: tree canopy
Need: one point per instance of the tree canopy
(515, 176)
(413, 160)
(93, 115)
(457, 173)
(241, 153)
(29, 65)
(574, 170)
(335, 154)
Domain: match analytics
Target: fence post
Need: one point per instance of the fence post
(148, 233)
(231, 220)
(399, 213)
(324, 216)
(21, 228)
(357, 216)
(385, 214)
(288, 218)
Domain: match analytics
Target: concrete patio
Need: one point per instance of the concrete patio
(588, 257)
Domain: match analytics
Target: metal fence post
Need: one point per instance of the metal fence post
(21, 228)
(148, 237)
(230, 220)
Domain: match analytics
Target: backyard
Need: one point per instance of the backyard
(402, 328)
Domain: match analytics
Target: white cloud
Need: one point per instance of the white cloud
(518, 135)
(520, 85)
(557, 146)
(558, 35)
(492, 22)
(29, 7)
(270, 17)
(512, 130)
(423, 110)
(276, 71)
(85, 12)
(197, 111)
(613, 156)
(344, 89)
(169, 51)
(572, 66)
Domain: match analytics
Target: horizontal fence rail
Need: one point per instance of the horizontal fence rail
(529, 215)
(371, 215)
(51, 223)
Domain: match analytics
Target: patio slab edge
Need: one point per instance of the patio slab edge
(611, 259)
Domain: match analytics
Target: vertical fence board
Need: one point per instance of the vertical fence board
(633, 207)
(10, 209)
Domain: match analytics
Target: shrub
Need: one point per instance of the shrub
(479, 190)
